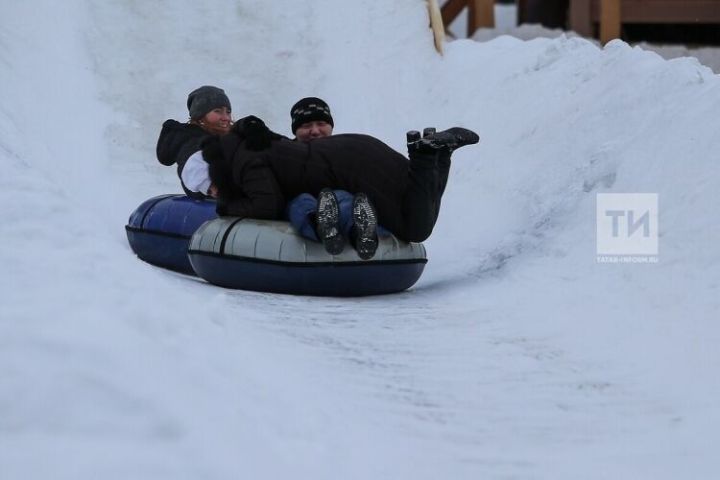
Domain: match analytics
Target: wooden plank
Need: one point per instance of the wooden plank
(585, 13)
(436, 23)
(451, 9)
(609, 20)
(580, 17)
(520, 11)
(671, 11)
(481, 14)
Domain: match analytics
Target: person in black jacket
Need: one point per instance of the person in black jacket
(256, 171)
(179, 143)
(334, 215)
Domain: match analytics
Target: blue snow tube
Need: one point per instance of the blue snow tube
(160, 229)
(185, 235)
(268, 256)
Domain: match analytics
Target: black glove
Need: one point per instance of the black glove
(256, 134)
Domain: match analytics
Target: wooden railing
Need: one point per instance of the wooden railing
(611, 14)
(481, 13)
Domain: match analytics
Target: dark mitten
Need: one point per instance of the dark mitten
(255, 133)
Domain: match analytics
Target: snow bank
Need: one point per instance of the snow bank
(517, 355)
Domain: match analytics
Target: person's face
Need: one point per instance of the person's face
(311, 130)
(217, 121)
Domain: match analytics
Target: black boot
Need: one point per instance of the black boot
(328, 222)
(412, 136)
(448, 140)
(364, 232)
(418, 152)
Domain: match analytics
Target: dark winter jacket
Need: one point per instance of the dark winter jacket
(177, 142)
(256, 178)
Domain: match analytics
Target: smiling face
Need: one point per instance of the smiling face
(217, 121)
(312, 130)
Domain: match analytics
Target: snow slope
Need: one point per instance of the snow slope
(515, 356)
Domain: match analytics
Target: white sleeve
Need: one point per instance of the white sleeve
(195, 174)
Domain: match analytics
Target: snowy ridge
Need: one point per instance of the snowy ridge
(515, 356)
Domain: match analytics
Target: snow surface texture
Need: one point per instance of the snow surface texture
(515, 356)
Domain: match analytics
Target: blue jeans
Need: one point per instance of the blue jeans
(302, 208)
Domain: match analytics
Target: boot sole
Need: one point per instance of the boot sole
(328, 223)
(365, 219)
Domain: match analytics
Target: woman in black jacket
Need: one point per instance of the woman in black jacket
(210, 114)
(257, 171)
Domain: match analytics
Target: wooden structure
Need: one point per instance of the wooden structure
(548, 13)
(610, 15)
(436, 24)
(481, 13)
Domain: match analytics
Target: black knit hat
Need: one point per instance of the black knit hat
(309, 109)
(204, 99)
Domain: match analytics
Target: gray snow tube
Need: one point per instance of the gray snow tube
(268, 256)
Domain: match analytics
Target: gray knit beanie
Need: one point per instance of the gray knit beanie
(204, 99)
